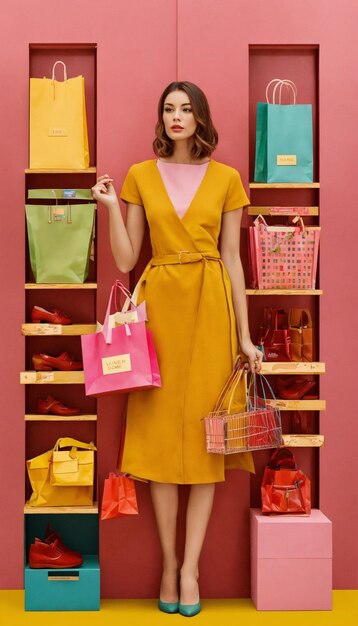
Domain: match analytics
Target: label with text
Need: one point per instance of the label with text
(116, 364)
(286, 159)
(57, 131)
(127, 317)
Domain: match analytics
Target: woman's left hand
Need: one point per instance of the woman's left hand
(254, 356)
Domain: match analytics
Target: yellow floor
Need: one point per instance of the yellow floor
(214, 613)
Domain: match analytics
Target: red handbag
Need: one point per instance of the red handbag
(275, 339)
(284, 488)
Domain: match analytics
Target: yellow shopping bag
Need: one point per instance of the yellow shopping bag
(58, 123)
(60, 478)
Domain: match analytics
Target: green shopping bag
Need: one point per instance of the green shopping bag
(284, 150)
(60, 239)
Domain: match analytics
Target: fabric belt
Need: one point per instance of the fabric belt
(183, 257)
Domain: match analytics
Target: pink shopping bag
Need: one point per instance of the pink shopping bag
(120, 359)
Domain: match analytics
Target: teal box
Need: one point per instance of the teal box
(73, 589)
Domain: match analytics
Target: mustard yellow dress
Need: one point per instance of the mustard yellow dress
(190, 313)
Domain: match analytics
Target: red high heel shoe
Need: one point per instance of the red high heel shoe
(296, 389)
(63, 362)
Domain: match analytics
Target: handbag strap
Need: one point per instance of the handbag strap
(65, 442)
(282, 458)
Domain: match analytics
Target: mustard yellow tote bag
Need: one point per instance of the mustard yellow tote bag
(58, 123)
(60, 478)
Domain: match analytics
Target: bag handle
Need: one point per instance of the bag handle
(107, 330)
(253, 382)
(279, 83)
(65, 442)
(64, 71)
(234, 378)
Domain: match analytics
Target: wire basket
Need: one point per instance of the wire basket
(257, 428)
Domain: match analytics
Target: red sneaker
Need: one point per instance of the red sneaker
(52, 406)
(62, 362)
(50, 538)
(51, 556)
(55, 316)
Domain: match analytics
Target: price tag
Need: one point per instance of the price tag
(48, 329)
(47, 377)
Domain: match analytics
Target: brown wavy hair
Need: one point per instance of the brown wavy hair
(205, 136)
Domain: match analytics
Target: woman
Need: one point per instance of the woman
(197, 312)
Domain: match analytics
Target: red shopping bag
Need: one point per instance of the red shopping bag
(120, 359)
(119, 496)
(284, 488)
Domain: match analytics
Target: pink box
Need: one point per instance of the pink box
(291, 561)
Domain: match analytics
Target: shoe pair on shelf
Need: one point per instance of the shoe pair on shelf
(55, 316)
(52, 553)
(63, 362)
(296, 388)
(53, 406)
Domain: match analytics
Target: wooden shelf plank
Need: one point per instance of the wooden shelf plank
(284, 185)
(88, 170)
(293, 367)
(57, 329)
(284, 292)
(60, 285)
(291, 211)
(45, 510)
(32, 377)
(303, 441)
(298, 405)
(59, 418)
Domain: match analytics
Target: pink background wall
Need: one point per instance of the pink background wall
(141, 48)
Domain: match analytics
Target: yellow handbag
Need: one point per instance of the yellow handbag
(62, 478)
(58, 123)
(72, 467)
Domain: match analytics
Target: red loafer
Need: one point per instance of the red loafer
(52, 406)
(51, 556)
(63, 362)
(55, 316)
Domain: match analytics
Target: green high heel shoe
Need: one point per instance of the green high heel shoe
(189, 610)
(168, 607)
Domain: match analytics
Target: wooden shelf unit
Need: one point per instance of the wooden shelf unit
(46, 510)
(284, 292)
(88, 170)
(284, 185)
(40, 330)
(268, 210)
(293, 367)
(54, 377)
(303, 441)
(59, 418)
(297, 405)
(60, 285)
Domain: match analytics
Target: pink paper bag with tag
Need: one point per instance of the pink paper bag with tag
(120, 359)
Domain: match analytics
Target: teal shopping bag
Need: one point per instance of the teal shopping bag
(59, 238)
(284, 147)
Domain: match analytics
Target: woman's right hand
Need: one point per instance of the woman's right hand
(103, 191)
